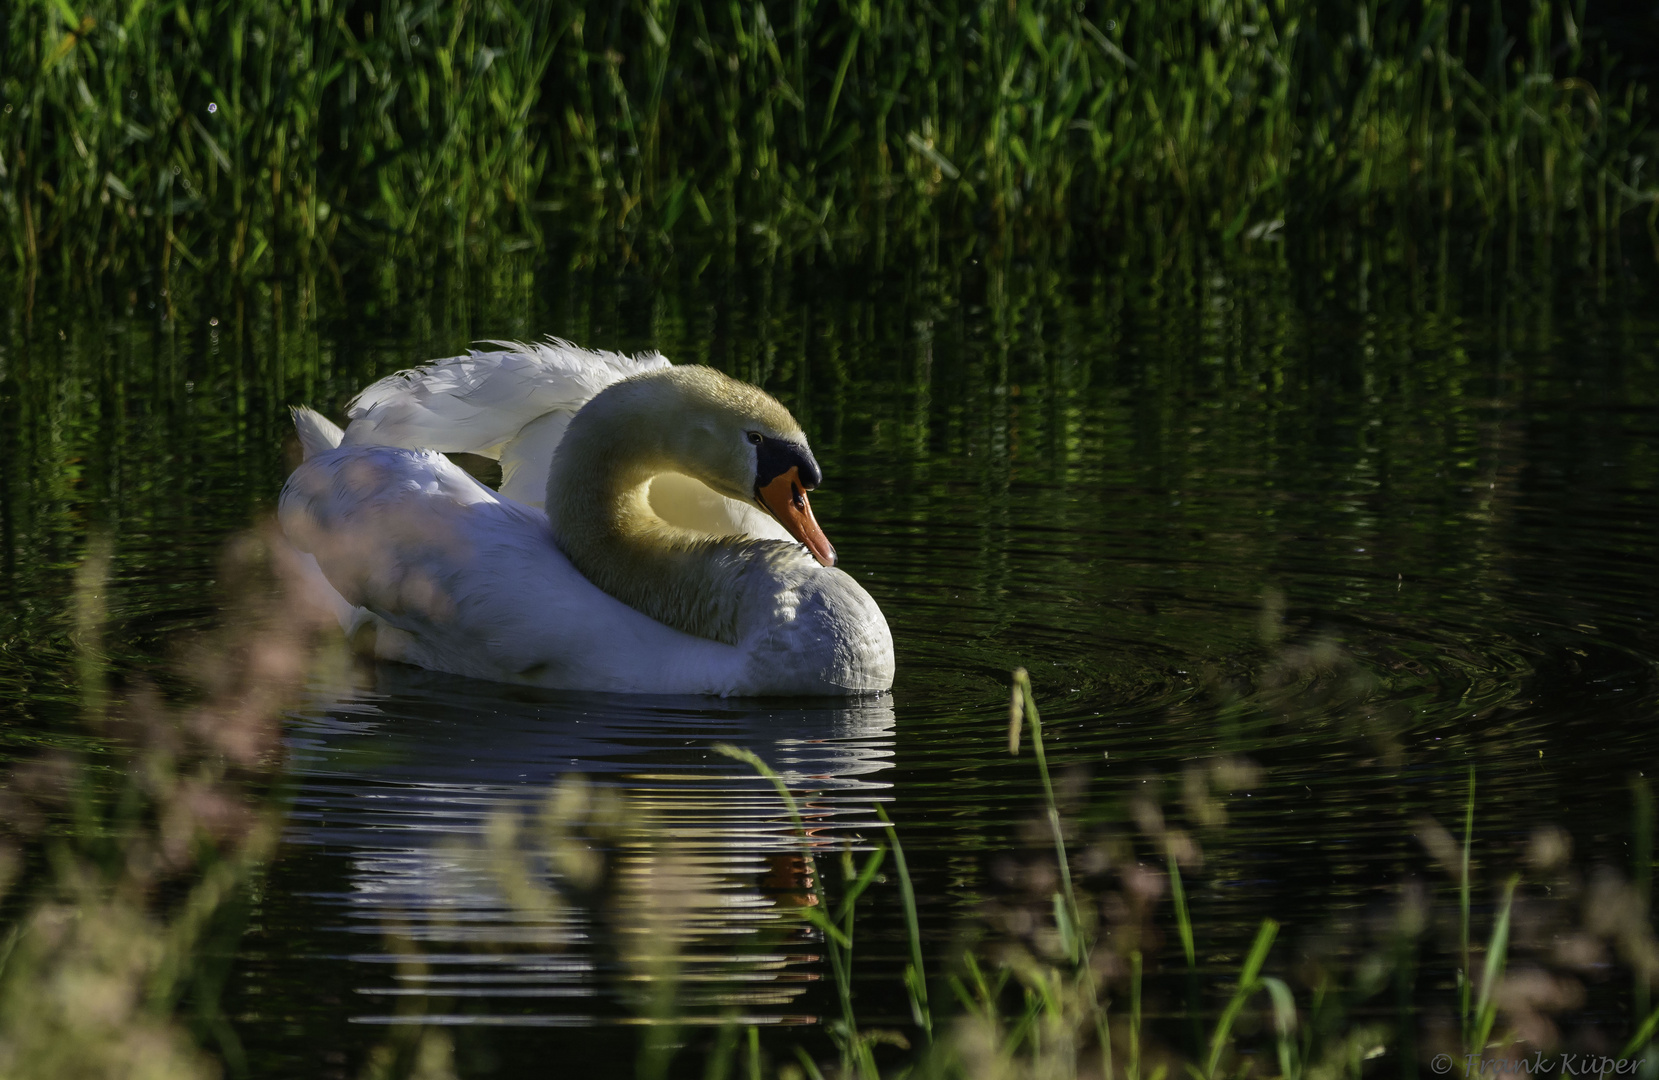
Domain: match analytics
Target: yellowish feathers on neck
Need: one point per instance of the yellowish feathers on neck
(691, 420)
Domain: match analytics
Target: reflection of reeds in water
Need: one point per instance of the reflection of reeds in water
(241, 135)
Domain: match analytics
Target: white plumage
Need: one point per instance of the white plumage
(437, 570)
(316, 431)
(511, 404)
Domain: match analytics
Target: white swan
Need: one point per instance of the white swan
(659, 565)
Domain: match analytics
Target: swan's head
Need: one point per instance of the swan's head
(734, 437)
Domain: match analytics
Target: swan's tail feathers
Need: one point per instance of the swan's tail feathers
(316, 431)
(480, 402)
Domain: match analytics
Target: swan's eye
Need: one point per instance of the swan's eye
(754, 437)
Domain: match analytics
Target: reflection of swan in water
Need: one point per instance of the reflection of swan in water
(406, 779)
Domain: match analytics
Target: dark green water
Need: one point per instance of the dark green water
(1161, 489)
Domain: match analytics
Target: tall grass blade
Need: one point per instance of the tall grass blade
(1643, 1035)
(1497, 951)
(1284, 1027)
(1641, 856)
(1134, 1069)
(1068, 896)
(719, 1063)
(1183, 925)
(1248, 983)
(1183, 920)
(1465, 974)
(915, 976)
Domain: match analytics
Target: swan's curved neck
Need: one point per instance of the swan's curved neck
(598, 506)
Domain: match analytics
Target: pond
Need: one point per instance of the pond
(1366, 514)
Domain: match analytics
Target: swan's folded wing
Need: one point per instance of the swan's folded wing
(479, 403)
(387, 526)
(464, 581)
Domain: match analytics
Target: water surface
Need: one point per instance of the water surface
(1415, 483)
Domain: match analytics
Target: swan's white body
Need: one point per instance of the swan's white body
(449, 575)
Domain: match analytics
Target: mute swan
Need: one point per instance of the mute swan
(668, 559)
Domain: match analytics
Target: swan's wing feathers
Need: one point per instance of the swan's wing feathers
(478, 403)
(569, 374)
(458, 579)
(316, 431)
(387, 525)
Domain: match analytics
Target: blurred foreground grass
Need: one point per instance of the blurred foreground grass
(124, 879)
(126, 884)
(246, 135)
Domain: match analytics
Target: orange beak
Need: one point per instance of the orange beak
(786, 499)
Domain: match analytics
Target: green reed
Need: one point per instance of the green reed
(915, 975)
(1641, 857)
(245, 134)
(231, 133)
(1463, 889)
(1067, 916)
(838, 925)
